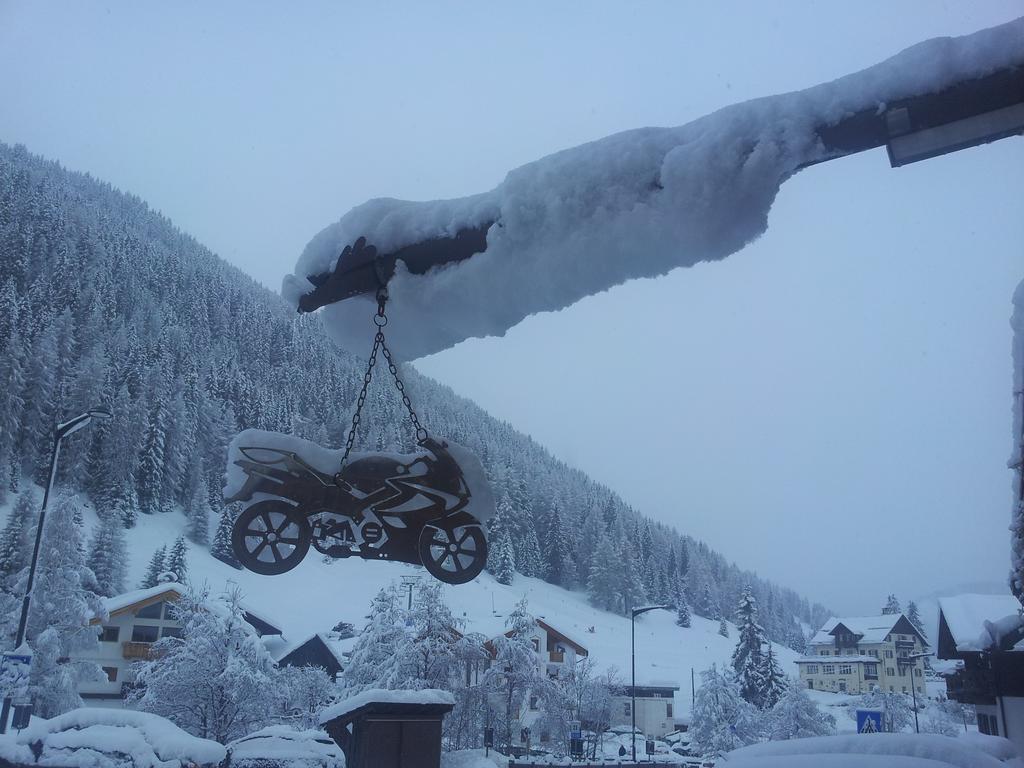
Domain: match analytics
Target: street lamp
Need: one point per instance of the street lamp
(62, 431)
(908, 660)
(632, 691)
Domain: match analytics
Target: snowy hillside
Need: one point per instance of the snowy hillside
(317, 595)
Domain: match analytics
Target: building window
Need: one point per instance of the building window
(533, 703)
(625, 709)
(111, 673)
(904, 689)
(170, 632)
(536, 643)
(812, 669)
(824, 653)
(153, 611)
(888, 654)
(917, 672)
(871, 671)
(110, 634)
(668, 709)
(145, 633)
(845, 669)
(829, 669)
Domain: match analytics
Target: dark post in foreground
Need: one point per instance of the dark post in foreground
(388, 734)
(62, 431)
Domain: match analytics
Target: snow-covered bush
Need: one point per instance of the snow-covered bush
(217, 680)
(796, 716)
(307, 690)
(722, 720)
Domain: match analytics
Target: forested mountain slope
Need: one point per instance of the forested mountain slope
(103, 301)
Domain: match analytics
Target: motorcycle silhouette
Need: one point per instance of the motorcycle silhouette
(409, 508)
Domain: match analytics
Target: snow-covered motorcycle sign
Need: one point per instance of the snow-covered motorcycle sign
(425, 508)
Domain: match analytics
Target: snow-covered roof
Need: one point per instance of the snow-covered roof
(337, 648)
(382, 696)
(977, 622)
(172, 591)
(837, 659)
(872, 629)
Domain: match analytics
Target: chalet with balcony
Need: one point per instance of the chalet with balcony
(855, 654)
(136, 620)
(984, 634)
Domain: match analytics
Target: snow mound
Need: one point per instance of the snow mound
(632, 205)
(383, 696)
(107, 738)
(899, 750)
(280, 745)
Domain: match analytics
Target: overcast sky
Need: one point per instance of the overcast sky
(829, 407)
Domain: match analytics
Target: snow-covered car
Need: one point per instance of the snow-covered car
(109, 738)
(279, 746)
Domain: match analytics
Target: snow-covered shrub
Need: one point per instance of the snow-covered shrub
(796, 716)
(722, 720)
(307, 691)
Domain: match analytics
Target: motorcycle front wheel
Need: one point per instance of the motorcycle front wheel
(453, 555)
(269, 539)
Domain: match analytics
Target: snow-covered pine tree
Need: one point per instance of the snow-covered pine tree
(376, 649)
(198, 509)
(631, 587)
(12, 408)
(531, 562)
(914, 617)
(62, 606)
(722, 720)
(774, 681)
(747, 659)
(177, 562)
(892, 606)
(15, 539)
(683, 611)
(155, 568)
(216, 681)
(221, 547)
(308, 690)
(41, 408)
(108, 557)
(560, 568)
(796, 716)
(428, 658)
(723, 627)
(603, 587)
(501, 561)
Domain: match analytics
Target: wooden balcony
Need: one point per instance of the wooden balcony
(136, 651)
(557, 657)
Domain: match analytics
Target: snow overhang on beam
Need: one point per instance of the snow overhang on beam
(963, 115)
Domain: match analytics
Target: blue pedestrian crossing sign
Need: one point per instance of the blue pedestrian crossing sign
(869, 721)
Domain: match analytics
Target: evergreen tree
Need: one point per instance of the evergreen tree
(155, 568)
(221, 547)
(683, 612)
(62, 604)
(774, 681)
(796, 716)
(198, 510)
(560, 568)
(151, 466)
(603, 579)
(108, 557)
(892, 606)
(15, 540)
(748, 659)
(914, 617)
(723, 627)
(504, 563)
(373, 657)
(531, 562)
(177, 563)
(12, 407)
(722, 720)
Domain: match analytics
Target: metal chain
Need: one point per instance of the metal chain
(379, 344)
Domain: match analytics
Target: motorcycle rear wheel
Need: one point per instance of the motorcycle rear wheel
(269, 538)
(453, 555)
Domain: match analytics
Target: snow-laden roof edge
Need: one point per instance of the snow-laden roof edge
(977, 622)
(382, 696)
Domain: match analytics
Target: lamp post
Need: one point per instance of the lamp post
(62, 431)
(909, 660)
(634, 612)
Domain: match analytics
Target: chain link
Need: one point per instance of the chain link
(379, 345)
